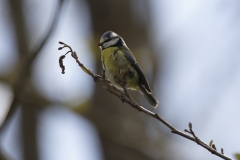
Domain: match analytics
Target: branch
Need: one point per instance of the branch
(110, 88)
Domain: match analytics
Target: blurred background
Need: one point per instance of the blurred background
(189, 51)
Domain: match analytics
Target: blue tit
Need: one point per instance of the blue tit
(121, 67)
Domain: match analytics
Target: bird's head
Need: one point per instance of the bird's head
(110, 39)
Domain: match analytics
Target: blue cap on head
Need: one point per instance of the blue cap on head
(108, 35)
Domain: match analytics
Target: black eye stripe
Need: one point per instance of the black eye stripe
(110, 39)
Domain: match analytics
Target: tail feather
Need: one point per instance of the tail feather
(150, 97)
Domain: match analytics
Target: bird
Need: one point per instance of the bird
(120, 66)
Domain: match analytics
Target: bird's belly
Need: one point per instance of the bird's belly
(119, 70)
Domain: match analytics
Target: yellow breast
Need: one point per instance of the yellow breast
(114, 61)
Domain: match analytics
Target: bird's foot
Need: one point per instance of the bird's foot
(122, 98)
(96, 78)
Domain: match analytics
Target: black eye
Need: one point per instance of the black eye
(108, 40)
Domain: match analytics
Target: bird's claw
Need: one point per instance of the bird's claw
(95, 78)
(122, 98)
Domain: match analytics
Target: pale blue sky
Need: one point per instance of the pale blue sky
(198, 42)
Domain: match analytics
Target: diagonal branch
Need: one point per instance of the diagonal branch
(191, 135)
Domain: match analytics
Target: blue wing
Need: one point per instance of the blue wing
(130, 57)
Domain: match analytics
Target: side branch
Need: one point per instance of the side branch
(110, 88)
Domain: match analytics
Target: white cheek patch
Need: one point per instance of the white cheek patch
(110, 43)
(113, 35)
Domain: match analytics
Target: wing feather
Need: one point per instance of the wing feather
(130, 57)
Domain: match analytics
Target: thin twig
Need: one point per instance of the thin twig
(133, 104)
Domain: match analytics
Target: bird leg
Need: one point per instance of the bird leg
(103, 75)
(122, 98)
(124, 88)
(96, 78)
